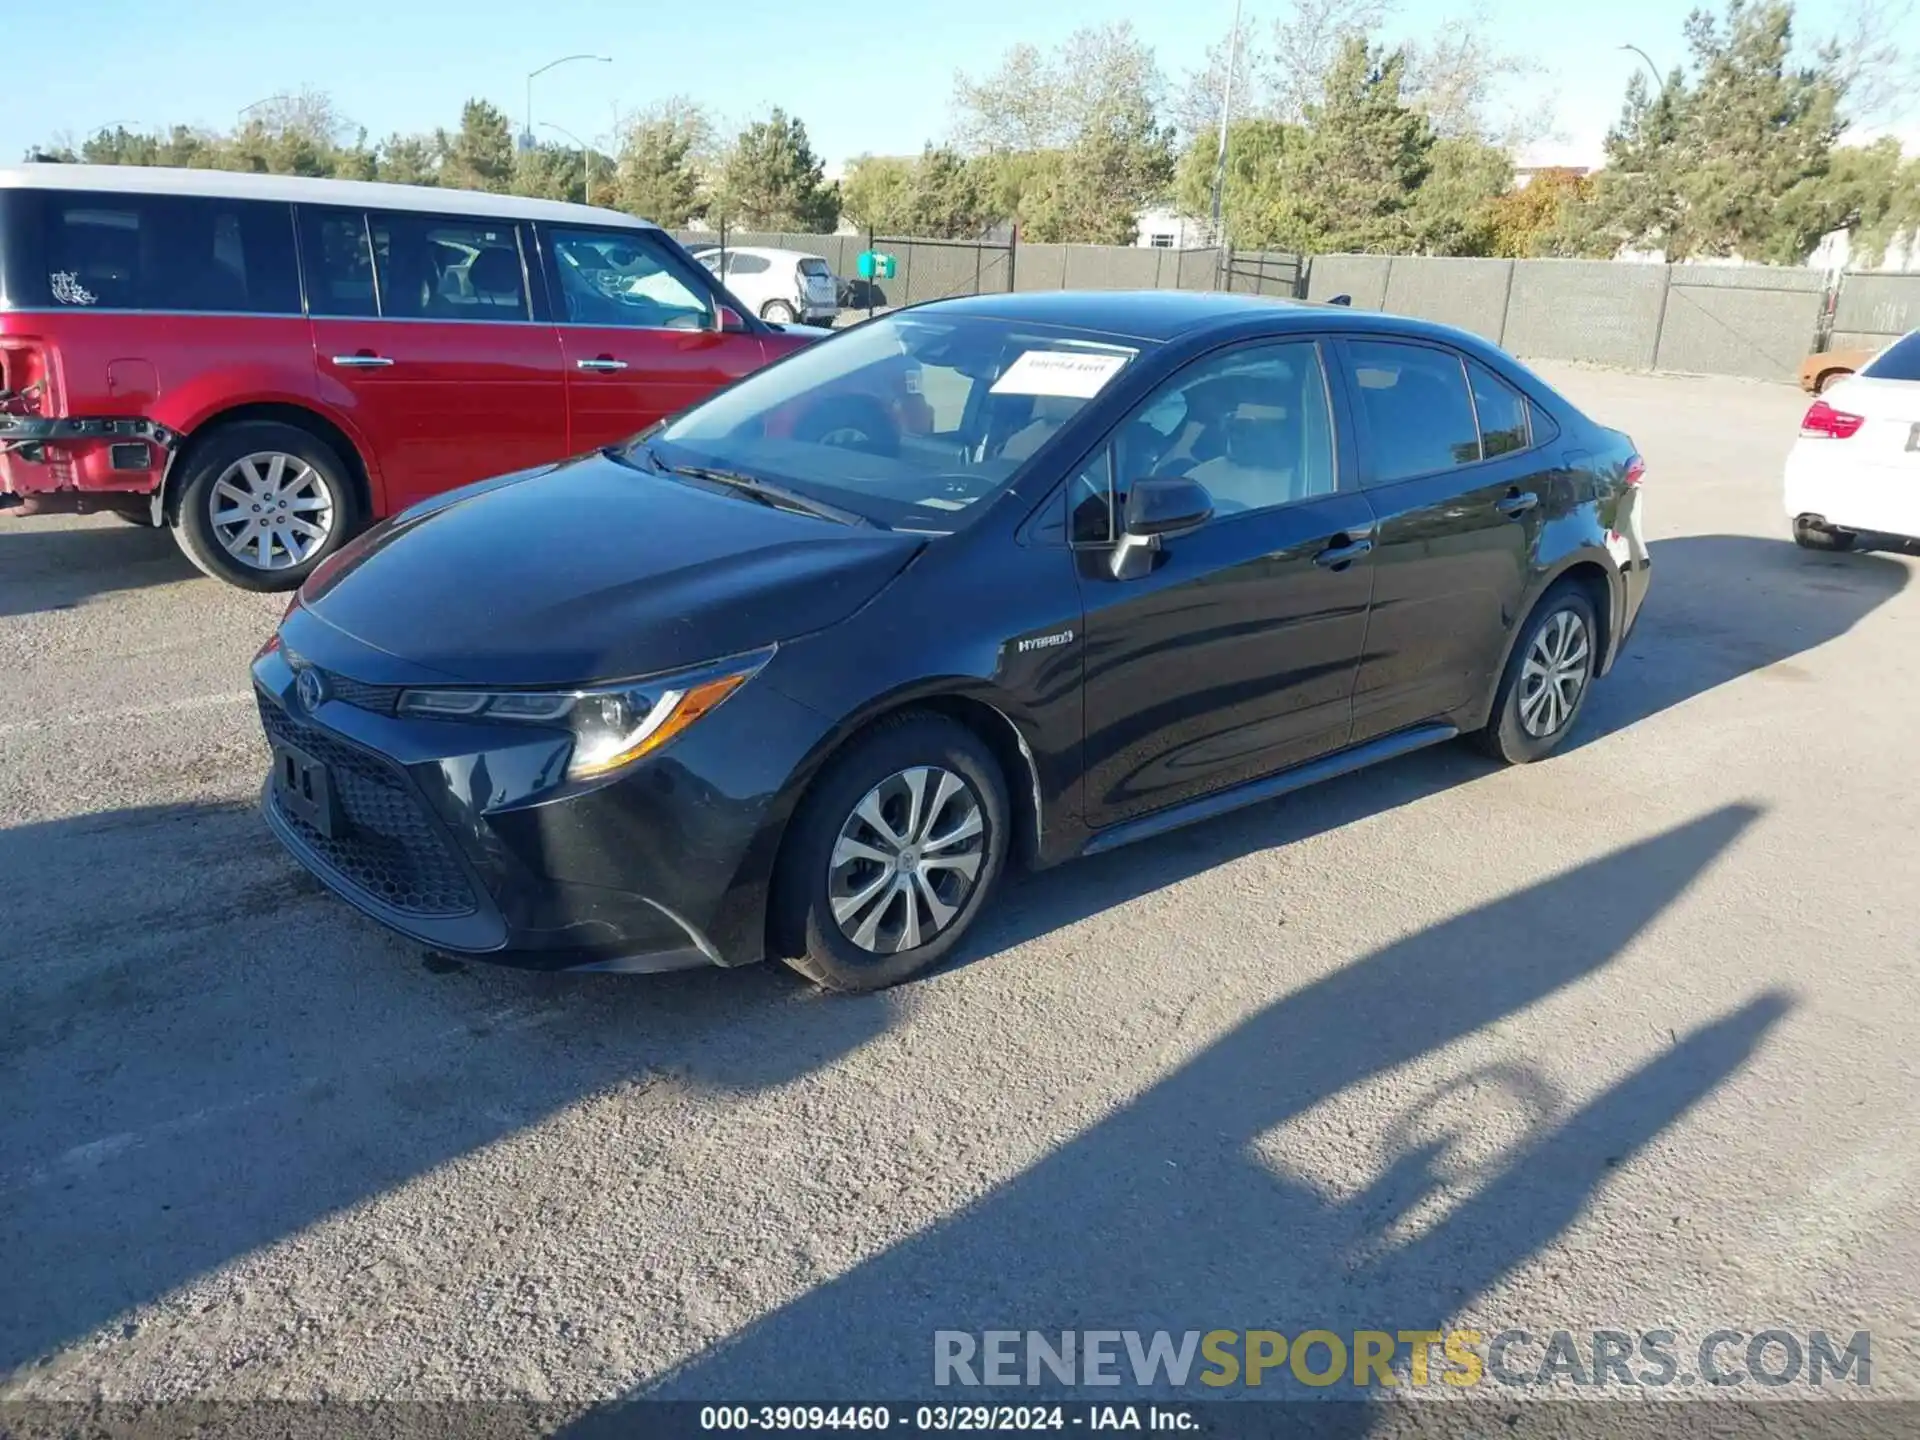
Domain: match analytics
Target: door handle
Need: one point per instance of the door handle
(361, 362)
(1516, 503)
(1334, 556)
(605, 362)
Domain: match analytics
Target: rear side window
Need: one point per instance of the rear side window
(431, 269)
(152, 252)
(1502, 412)
(1899, 361)
(747, 265)
(1414, 404)
(337, 257)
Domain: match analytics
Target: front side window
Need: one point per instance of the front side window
(433, 269)
(1414, 405)
(911, 421)
(1252, 425)
(624, 278)
(165, 252)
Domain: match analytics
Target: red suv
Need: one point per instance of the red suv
(266, 363)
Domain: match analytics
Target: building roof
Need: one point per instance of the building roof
(300, 189)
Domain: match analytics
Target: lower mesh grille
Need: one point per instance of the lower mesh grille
(389, 847)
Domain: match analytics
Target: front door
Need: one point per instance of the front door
(1461, 491)
(636, 332)
(423, 334)
(1234, 655)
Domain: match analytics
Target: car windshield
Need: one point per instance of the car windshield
(908, 420)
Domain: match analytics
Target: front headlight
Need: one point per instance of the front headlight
(612, 725)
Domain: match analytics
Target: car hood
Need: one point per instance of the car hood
(589, 571)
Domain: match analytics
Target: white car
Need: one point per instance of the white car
(780, 286)
(1856, 466)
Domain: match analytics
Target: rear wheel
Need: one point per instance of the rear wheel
(1828, 380)
(1812, 535)
(892, 856)
(263, 503)
(1547, 679)
(777, 312)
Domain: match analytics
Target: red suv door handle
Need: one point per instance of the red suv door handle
(365, 360)
(603, 362)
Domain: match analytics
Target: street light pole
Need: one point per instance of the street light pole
(1652, 69)
(586, 156)
(526, 136)
(1226, 110)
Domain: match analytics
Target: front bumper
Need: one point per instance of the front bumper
(455, 834)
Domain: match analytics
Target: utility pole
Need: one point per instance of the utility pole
(1226, 113)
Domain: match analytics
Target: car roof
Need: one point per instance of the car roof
(767, 252)
(300, 189)
(1152, 315)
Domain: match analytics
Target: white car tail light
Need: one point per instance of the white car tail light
(1823, 422)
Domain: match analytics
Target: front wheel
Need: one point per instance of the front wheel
(1546, 681)
(893, 855)
(262, 504)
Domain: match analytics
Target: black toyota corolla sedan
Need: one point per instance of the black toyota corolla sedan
(802, 671)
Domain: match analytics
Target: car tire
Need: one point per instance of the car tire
(1558, 649)
(819, 925)
(1809, 536)
(300, 479)
(1828, 380)
(777, 312)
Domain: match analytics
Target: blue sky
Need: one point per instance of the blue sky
(864, 77)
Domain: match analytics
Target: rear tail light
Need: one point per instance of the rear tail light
(1823, 422)
(1636, 470)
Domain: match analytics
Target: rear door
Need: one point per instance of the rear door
(423, 332)
(636, 331)
(1460, 484)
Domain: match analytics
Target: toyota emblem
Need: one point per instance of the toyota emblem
(311, 689)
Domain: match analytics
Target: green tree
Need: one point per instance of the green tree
(1453, 212)
(479, 155)
(408, 160)
(1731, 156)
(946, 196)
(1254, 199)
(772, 180)
(1351, 184)
(655, 173)
(876, 194)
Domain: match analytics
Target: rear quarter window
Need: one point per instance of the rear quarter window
(76, 251)
(1899, 361)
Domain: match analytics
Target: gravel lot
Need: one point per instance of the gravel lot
(1625, 1039)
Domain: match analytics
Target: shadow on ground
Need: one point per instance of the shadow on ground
(56, 565)
(1724, 606)
(1166, 1215)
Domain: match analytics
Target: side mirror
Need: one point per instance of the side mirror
(1158, 508)
(727, 321)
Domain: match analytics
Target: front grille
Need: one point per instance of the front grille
(390, 847)
(380, 699)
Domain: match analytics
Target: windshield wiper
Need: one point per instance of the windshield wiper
(766, 492)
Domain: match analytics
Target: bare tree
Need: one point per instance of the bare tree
(1457, 80)
(1302, 49)
(1196, 110)
(1036, 101)
(1881, 79)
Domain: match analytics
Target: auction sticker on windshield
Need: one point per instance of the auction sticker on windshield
(1072, 374)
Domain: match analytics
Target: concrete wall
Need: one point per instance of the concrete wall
(1469, 294)
(1593, 310)
(1874, 309)
(1364, 277)
(1744, 320)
